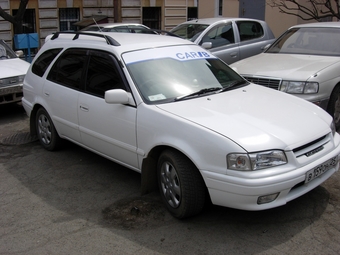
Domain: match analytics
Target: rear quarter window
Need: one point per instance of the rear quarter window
(44, 60)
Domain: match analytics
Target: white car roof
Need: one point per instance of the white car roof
(124, 42)
(335, 24)
(110, 25)
(209, 21)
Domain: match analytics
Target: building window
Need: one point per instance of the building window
(28, 24)
(152, 17)
(68, 16)
(220, 7)
(192, 13)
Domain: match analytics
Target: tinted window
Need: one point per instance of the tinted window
(102, 75)
(220, 35)
(249, 30)
(68, 69)
(41, 64)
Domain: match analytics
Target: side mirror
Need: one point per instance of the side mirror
(207, 45)
(116, 96)
(19, 53)
(266, 47)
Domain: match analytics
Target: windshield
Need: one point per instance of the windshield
(311, 41)
(189, 31)
(180, 75)
(5, 51)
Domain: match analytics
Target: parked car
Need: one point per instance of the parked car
(230, 39)
(305, 62)
(181, 117)
(12, 73)
(120, 27)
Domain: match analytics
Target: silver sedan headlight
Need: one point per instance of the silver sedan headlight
(299, 87)
(255, 161)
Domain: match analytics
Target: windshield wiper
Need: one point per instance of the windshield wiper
(233, 85)
(198, 93)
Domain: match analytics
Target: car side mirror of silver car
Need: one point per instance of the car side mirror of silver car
(117, 96)
(266, 47)
(207, 45)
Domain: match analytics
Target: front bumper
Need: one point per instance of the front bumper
(11, 94)
(243, 193)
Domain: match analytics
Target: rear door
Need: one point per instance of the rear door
(252, 38)
(61, 90)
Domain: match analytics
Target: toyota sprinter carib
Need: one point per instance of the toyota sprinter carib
(170, 110)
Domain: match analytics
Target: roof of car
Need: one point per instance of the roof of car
(210, 21)
(122, 42)
(117, 24)
(319, 24)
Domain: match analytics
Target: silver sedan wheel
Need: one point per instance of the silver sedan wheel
(170, 184)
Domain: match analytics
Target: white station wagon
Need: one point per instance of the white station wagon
(167, 108)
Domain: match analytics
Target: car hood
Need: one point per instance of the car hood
(290, 66)
(255, 117)
(13, 67)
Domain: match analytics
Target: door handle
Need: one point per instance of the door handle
(84, 108)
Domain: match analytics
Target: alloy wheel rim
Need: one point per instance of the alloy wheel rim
(170, 184)
(44, 129)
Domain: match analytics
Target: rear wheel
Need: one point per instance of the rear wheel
(334, 106)
(181, 185)
(46, 132)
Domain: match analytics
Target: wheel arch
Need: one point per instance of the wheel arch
(33, 115)
(149, 168)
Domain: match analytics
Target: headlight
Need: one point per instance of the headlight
(255, 161)
(299, 87)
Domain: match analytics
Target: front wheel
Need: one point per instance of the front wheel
(334, 106)
(46, 132)
(181, 185)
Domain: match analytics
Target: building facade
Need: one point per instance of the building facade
(48, 16)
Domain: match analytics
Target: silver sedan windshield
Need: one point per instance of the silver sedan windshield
(311, 41)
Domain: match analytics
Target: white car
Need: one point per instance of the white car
(305, 62)
(170, 110)
(12, 74)
(119, 28)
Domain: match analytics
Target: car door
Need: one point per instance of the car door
(251, 38)
(61, 91)
(108, 129)
(223, 42)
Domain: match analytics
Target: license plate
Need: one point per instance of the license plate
(321, 169)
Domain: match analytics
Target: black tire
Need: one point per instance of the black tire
(181, 185)
(46, 132)
(334, 106)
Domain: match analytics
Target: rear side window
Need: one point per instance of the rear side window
(44, 60)
(249, 30)
(68, 70)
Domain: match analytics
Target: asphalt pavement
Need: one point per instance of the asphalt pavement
(75, 202)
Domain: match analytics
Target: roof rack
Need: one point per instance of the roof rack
(109, 40)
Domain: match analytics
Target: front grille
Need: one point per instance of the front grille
(311, 148)
(269, 83)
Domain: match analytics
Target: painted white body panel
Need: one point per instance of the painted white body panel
(13, 67)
